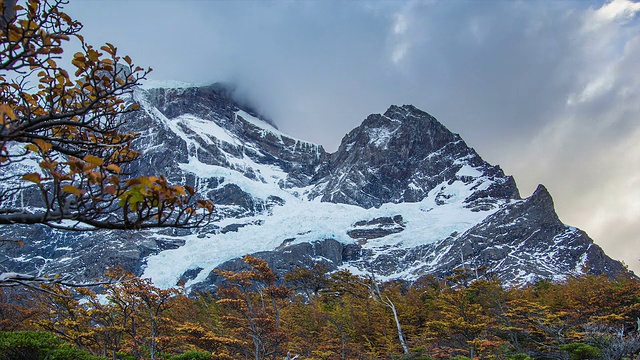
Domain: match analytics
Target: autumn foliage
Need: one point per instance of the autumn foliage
(69, 123)
(256, 315)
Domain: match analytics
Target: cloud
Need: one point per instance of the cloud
(400, 26)
(616, 10)
(588, 152)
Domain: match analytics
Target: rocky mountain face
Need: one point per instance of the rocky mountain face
(401, 156)
(402, 197)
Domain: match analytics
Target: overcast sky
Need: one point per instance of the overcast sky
(548, 90)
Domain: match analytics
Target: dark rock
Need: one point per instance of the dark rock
(399, 157)
(328, 252)
(190, 275)
(376, 228)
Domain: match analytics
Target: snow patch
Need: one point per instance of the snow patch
(467, 170)
(307, 221)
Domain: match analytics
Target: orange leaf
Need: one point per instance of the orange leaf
(180, 190)
(43, 145)
(110, 189)
(48, 165)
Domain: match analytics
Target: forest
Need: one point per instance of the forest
(310, 314)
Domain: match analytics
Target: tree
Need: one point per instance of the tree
(130, 317)
(465, 324)
(63, 152)
(252, 303)
(154, 302)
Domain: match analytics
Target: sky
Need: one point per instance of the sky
(548, 90)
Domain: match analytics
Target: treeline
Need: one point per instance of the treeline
(314, 315)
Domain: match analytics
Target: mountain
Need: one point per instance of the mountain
(402, 197)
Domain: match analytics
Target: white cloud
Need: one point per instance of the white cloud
(400, 38)
(587, 153)
(400, 24)
(620, 11)
(598, 86)
(399, 52)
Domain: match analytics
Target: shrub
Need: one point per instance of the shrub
(581, 351)
(192, 355)
(30, 345)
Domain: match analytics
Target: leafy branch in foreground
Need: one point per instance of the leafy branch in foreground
(63, 149)
(61, 137)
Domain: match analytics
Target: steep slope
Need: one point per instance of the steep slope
(400, 157)
(402, 196)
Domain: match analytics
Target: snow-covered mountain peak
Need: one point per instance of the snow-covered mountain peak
(401, 156)
(402, 196)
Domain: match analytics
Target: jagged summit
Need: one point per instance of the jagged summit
(402, 196)
(400, 157)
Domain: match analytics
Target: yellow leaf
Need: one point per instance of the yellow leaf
(79, 61)
(115, 168)
(93, 160)
(72, 190)
(33, 177)
(31, 147)
(92, 55)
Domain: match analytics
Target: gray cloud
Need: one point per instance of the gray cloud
(548, 90)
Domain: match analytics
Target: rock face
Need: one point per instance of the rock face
(399, 157)
(402, 196)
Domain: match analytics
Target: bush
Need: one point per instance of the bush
(519, 356)
(21, 345)
(192, 355)
(29, 345)
(581, 351)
